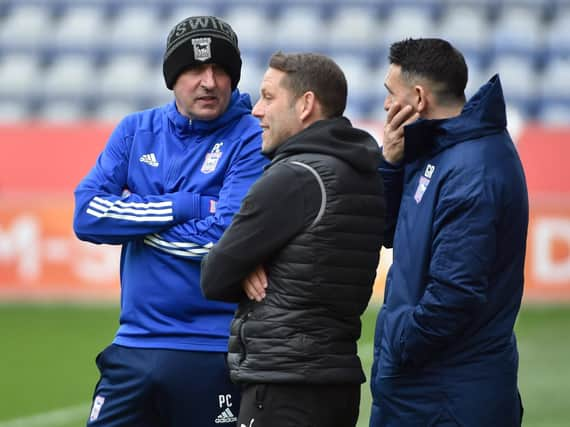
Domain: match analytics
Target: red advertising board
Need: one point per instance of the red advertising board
(41, 258)
(545, 153)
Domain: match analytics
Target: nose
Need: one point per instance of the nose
(207, 79)
(257, 110)
(387, 103)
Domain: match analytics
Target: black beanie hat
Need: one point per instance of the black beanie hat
(201, 40)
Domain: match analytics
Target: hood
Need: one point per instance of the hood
(335, 137)
(239, 105)
(483, 114)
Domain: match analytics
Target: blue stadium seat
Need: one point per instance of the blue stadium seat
(407, 21)
(554, 114)
(136, 29)
(253, 27)
(72, 46)
(20, 74)
(62, 111)
(519, 80)
(298, 28)
(554, 82)
(518, 30)
(557, 35)
(113, 111)
(252, 74)
(26, 26)
(124, 77)
(467, 28)
(14, 111)
(69, 75)
(477, 77)
(432, 8)
(355, 29)
(81, 27)
(180, 10)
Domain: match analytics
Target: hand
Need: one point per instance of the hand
(393, 142)
(255, 283)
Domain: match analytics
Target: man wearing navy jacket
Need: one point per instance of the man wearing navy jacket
(457, 216)
(165, 188)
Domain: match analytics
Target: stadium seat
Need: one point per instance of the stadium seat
(357, 72)
(407, 21)
(432, 8)
(518, 78)
(75, 46)
(557, 35)
(136, 28)
(80, 27)
(113, 111)
(61, 111)
(541, 8)
(69, 75)
(178, 11)
(12, 111)
(253, 27)
(20, 75)
(554, 83)
(252, 75)
(353, 29)
(155, 92)
(467, 28)
(554, 114)
(125, 76)
(477, 77)
(298, 28)
(25, 25)
(489, 7)
(518, 30)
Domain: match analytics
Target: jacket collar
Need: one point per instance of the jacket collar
(482, 115)
(239, 105)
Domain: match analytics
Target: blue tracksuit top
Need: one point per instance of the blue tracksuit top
(165, 188)
(458, 206)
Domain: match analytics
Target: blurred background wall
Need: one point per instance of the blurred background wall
(70, 69)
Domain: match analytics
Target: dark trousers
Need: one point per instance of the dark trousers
(163, 388)
(299, 405)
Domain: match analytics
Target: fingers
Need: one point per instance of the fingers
(411, 119)
(255, 283)
(259, 272)
(400, 115)
(393, 138)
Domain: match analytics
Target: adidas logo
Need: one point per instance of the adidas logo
(226, 417)
(149, 159)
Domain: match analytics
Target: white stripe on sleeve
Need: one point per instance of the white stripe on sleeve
(131, 211)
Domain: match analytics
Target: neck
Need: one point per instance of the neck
(444, 112)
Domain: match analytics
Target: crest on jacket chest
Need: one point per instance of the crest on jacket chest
(212, 158)
(423, 183)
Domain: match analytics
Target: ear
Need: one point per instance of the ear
(422, 98)
(307, 105)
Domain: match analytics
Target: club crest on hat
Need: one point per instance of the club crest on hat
(202, 51)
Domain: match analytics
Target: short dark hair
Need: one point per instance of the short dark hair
(316, 73)
(436, 60)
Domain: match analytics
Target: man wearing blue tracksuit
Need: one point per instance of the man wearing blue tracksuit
(457, 213)
(165, 188)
